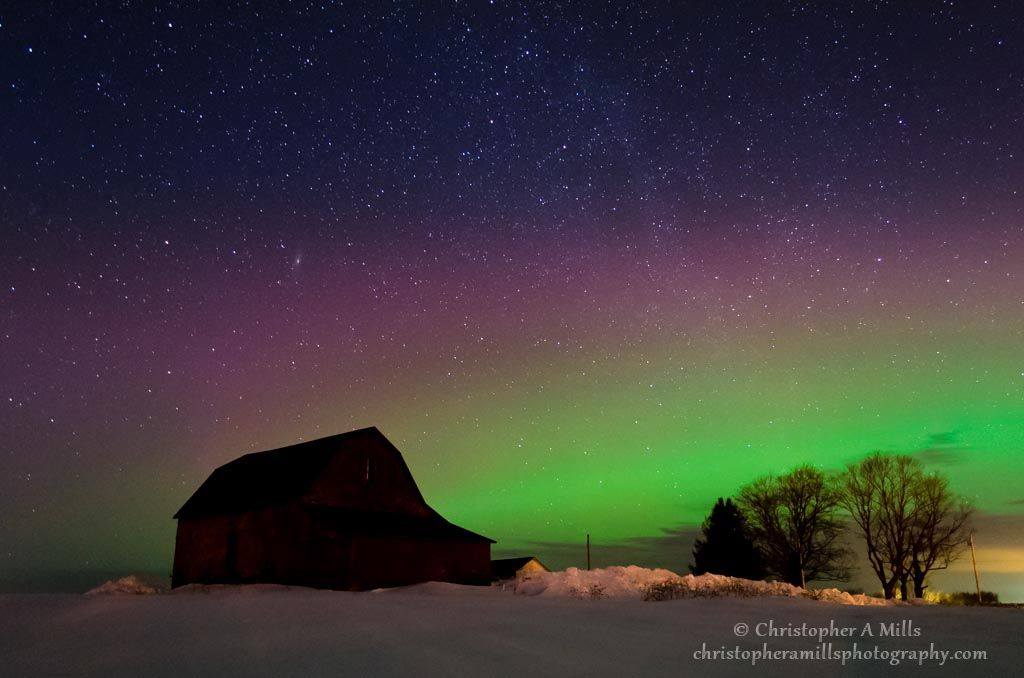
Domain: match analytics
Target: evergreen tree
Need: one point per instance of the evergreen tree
(725, 546)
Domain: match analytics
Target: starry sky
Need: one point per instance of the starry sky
(590, 266)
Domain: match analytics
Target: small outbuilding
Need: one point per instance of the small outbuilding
(341, 512)
(513, 568)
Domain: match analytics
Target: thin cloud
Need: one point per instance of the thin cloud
(942, 449)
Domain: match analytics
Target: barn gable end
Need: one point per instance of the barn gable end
(368, 475)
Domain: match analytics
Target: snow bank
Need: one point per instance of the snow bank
(658, 584)
(131, 585)
(616, 582)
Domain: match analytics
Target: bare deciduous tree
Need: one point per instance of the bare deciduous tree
(940, 532)
(876, 493)
(796, 523)
(910, 521)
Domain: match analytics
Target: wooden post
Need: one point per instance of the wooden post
(588, 550)
(974, 562)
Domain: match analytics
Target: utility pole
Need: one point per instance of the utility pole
(588, 550)
(974, 562)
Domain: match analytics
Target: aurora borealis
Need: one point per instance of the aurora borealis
(589, 267)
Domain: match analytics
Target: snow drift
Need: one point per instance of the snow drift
(658, 584)
(131, 585)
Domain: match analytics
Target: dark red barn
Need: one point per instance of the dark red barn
(341, 512)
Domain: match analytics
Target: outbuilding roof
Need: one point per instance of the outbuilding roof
(506, 568)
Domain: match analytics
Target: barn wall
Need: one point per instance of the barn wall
(396, 561)
(267, 545)
(273, 546)
(200, 550)
(286, 545)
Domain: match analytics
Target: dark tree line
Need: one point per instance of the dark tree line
(792, 527)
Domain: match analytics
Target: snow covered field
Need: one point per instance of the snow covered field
(448, 630)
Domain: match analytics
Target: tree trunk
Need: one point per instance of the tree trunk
(889, 588)
(904, 591)
(919, 585)
(793, 573)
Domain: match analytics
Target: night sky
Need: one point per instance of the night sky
(589, 266)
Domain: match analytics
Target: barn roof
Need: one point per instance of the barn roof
(279, 476)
